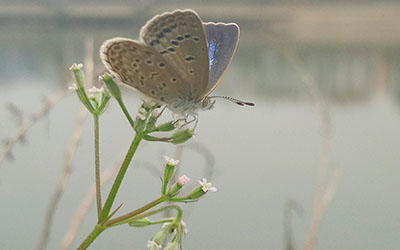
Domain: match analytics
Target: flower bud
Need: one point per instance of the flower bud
(196, 193)
(112, 86)
(165, 127)
(140, 223)
(151, 123)
(201, 190)
(174, 190)
(76, 69)
(181, 136)
(169, 170)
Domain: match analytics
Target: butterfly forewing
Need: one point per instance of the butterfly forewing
(179, 37)
(222, 39)
(141, 67)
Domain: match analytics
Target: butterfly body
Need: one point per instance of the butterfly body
(178, 60)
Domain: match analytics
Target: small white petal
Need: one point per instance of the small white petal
(76, 66)
(142, 111)
(141, 117)
(171, 161)
(185, 230)
(94, 89)
(153, 246)
(149, 103)
(203, 182)
(206, 186)
(73, 87)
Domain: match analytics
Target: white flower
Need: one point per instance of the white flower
(171, 161)
(76, 66)
(142, 111)
(149, 103)
(185, 230)
(207, 186)
(153, 246)
(73, 87)
(141, 116)
(183, 180)
(94, 89)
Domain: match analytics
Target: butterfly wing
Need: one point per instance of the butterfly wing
(179, 37)
(141, 67)
(222, 41)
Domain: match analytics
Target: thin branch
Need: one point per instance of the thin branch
(84, 208)
(327, 177)
(69, 155)
(63, 179)
(290, 206)
(28, 122)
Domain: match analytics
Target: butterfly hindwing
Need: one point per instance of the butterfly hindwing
(222, 39)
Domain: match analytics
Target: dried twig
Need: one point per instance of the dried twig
(327, 176)
(84, 208)
(63, 179)
(28, 122)
(69, 154)
(290, 206)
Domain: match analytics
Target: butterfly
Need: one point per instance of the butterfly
(177, 61)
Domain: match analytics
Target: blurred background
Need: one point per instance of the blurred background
(314, 165)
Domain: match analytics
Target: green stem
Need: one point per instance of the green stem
(156, 211)
(123, 219)
(128, 116)
(117, 183)
(97, 164)
(91, 237)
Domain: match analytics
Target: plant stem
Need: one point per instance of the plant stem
(122, 219)
(91, 237)
(117, 183)
(128, 116)
(118, 221)
(97, 164)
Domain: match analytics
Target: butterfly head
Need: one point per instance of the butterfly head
(207, 104)
(185, 106)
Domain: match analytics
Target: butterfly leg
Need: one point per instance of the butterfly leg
(193, 120)
(162, 111)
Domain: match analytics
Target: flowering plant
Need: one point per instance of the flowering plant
(145, 124)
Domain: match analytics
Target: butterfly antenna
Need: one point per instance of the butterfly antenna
(234, 100)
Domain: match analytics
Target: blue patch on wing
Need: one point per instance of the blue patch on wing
(211, 53)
